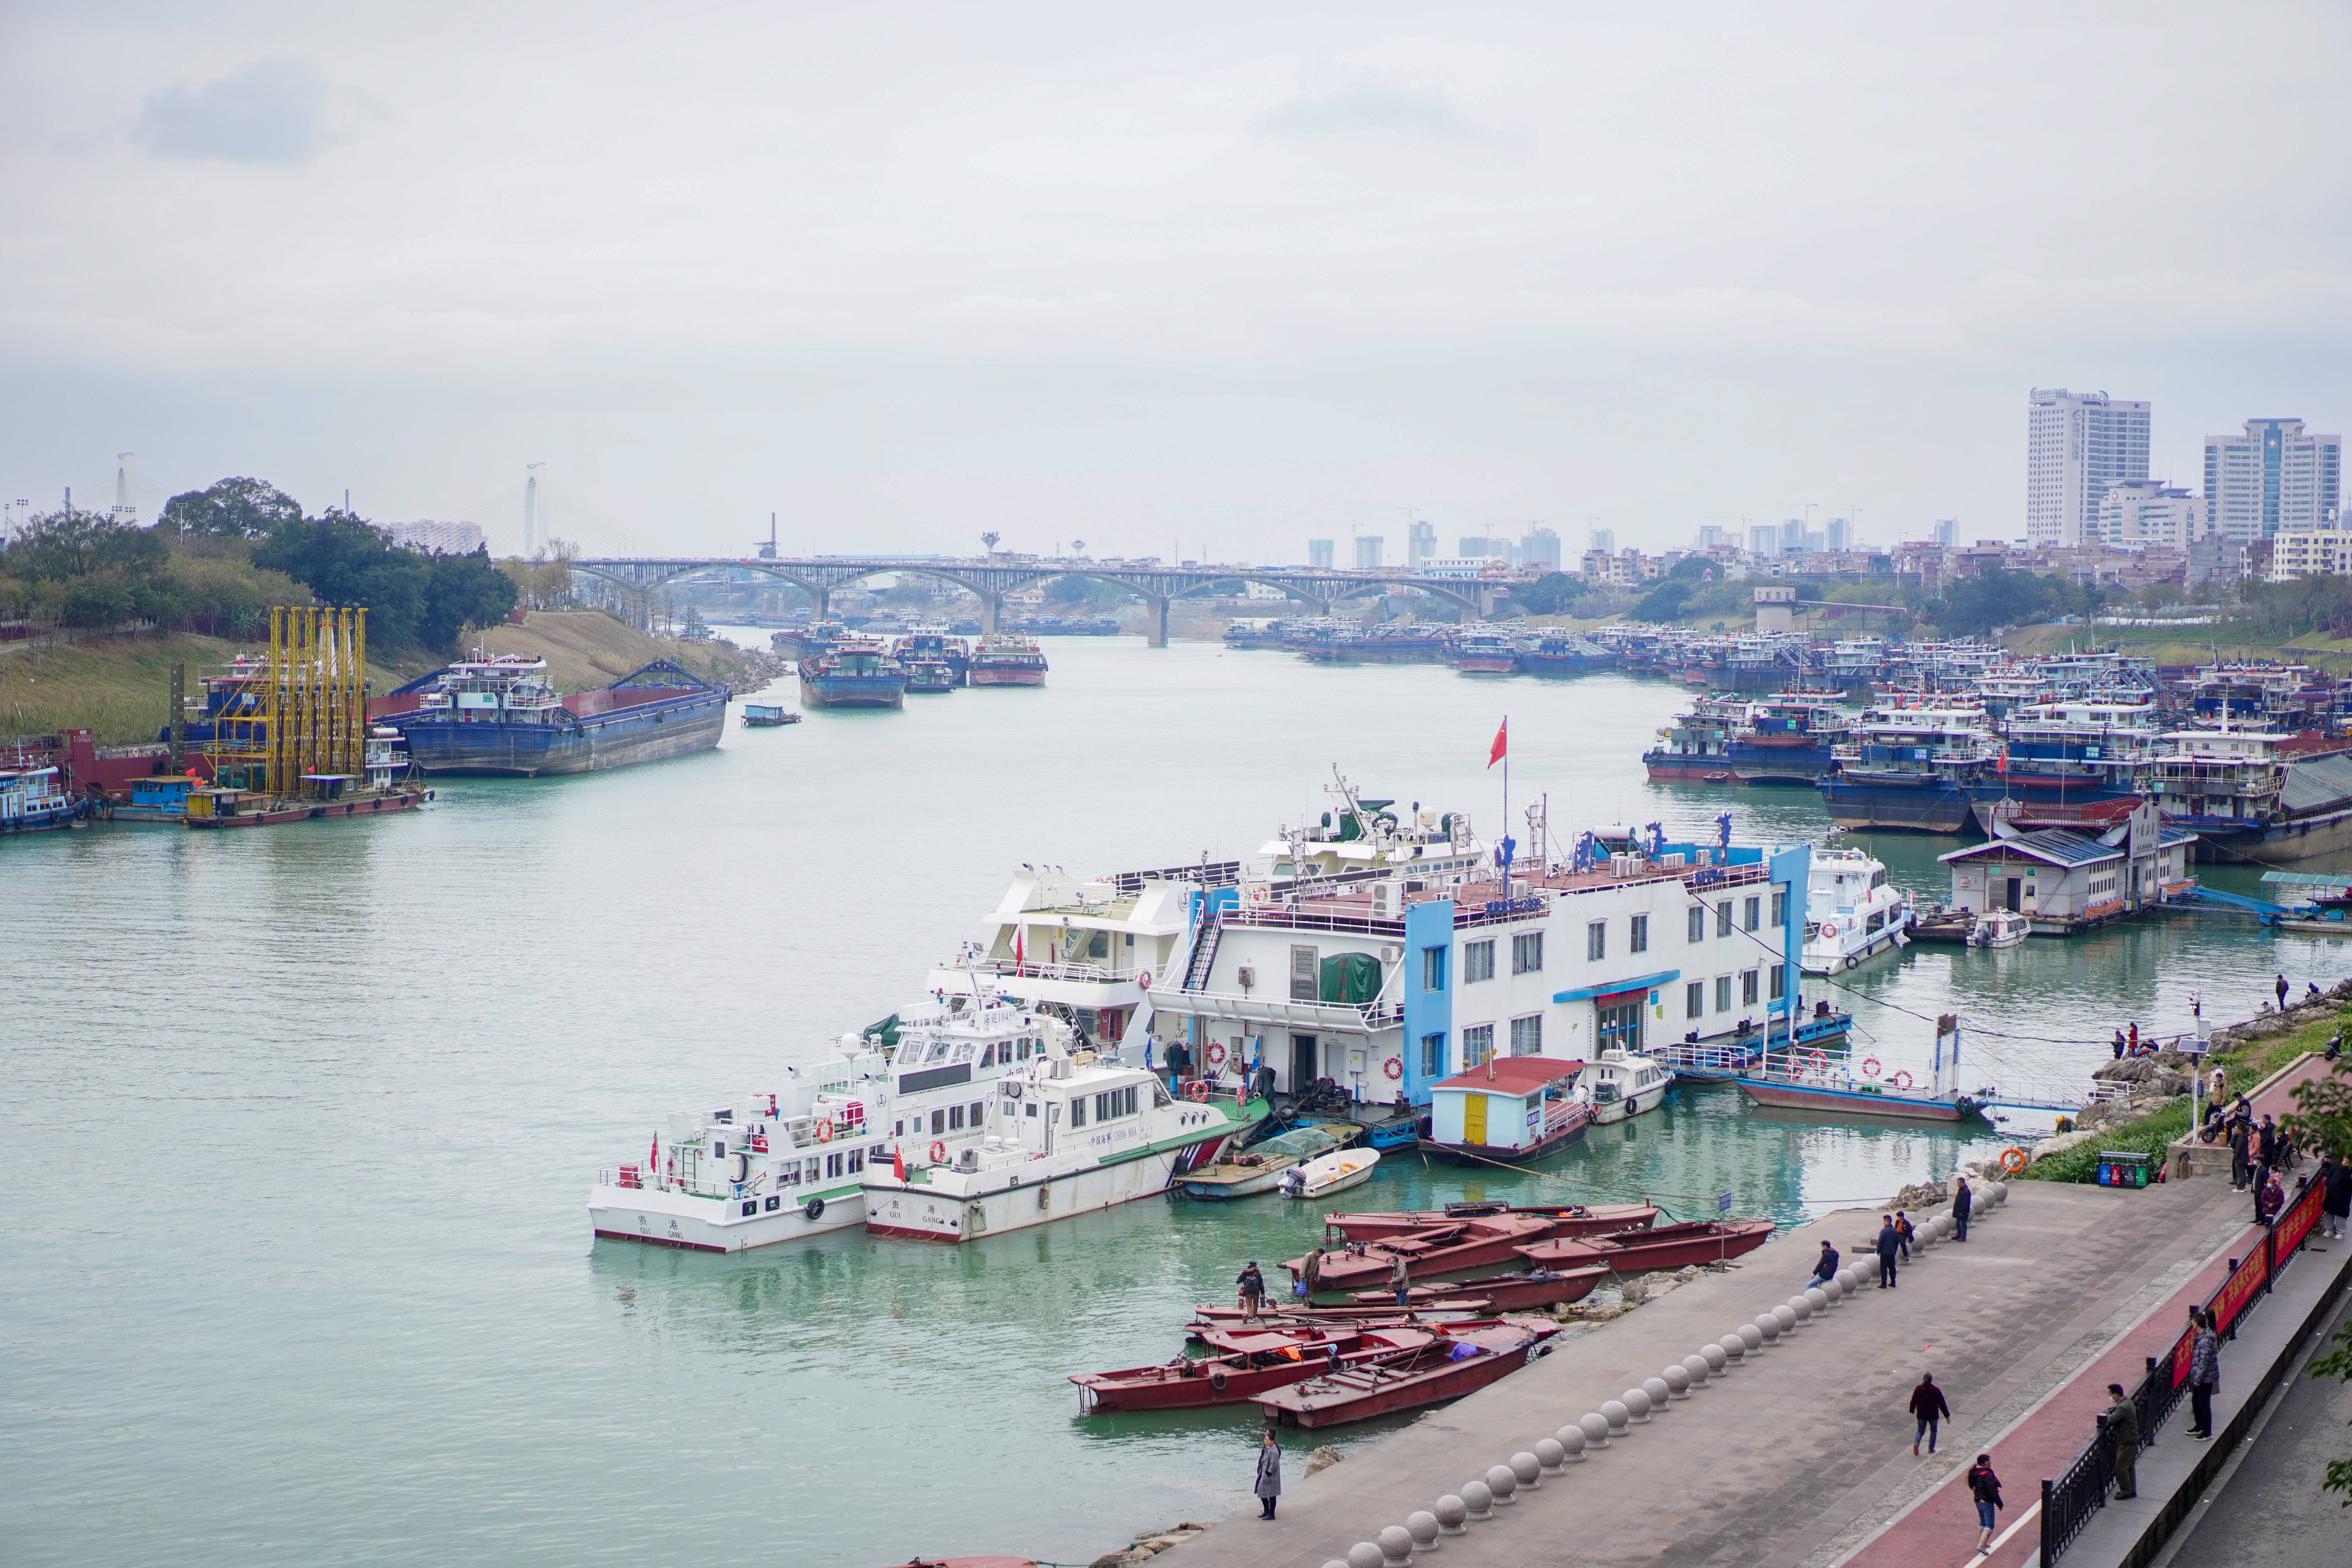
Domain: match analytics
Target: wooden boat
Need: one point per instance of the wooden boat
(1537, 1289)
(1567, 1219)
(767, 716)
(1438, 1372)
(1445, 1309)
(1665, 1246)
(1259, 1363)
(1260, 1168)
(1453, 1249)
(1332, 1172)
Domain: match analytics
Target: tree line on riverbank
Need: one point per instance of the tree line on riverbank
(216, 560)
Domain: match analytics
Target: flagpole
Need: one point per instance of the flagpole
(1507, 807)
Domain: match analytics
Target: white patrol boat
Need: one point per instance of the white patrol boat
(1620, 1085)
(782, 1165)
(1851, 913)
(1064, 1136)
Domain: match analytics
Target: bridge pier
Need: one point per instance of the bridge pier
(992, 611)
(820, 605)
(1155, 621)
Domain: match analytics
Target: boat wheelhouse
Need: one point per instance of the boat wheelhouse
(1789, 739)
(1697, 745)
(1514, 1109)
(33, 799)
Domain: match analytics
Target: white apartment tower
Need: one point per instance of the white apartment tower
(2078, 446)
(2272, 479)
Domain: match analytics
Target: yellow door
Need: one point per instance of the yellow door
(1474, 1119)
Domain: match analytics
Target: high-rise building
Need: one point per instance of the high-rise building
(1711, 535)
(1320, 555)
(1947, 532)
(1420, 544)
(2141, 513)
(1368, 552)
(1604, 539)
(449, 538)
(2078, 446)
(2272, 479)
(1539, 548)
(1764, 539)
(1837, 534)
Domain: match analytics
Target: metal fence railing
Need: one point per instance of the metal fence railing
(2069, 1502)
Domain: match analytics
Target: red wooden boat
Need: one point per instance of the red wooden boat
(1436, 1249)
(1269, 1333)
(1446, 1308)
(1429, 1376)
(1567, 1219)
(1665, 1246)
(1504, 1292)
(1271, 1361)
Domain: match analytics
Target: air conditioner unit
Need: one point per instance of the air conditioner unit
(1391, 954)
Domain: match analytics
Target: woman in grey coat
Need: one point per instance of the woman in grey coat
(1269, 1473)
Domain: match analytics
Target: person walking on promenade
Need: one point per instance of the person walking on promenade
(1253, 1290)
(1269, 1473)
(1963, 1201)
(1985, 1487)
(2336, 1204)
(1400, 1280)
(1825, 1267)
(1904, 1232)
(2122, 1425)
(2204, 1374)
(1888, 1240)
(2282, 989)
(1927, 1403)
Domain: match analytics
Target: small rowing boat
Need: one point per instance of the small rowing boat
(1438, 1249)
(1537, 1289)
(1332, 1172)
(1664, 1246)
(1461, 1360)
(1249, 1366)
(1567, 1219)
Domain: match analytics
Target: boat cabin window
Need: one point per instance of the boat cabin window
(1753, 914)
(938, 1052)
(832, 1164)
(1159, 1095)
(1077, 1111)
(976, 1111)
(963, 1052)
(1695, 999)
(1117, 1103)
(878, 1152)
(1031, 1108)
(1697, 923)
(1878, 877)
(938, 1122)
(1780, 909)
(788, 1174)
(955, 1117)
(987, 1055)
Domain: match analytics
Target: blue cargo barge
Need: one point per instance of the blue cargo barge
(501, 716)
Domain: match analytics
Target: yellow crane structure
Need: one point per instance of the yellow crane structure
(305, 713)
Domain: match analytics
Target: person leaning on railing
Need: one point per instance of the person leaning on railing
(2122, 1425)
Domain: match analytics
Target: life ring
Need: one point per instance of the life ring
(1393, 1067)
(1197, 1090)
(825, 1131)
(814, 1208)
(2015, 1160)
(939, 1152)
(1829, 928)
(1870, 1066)
(1821, 1062)
(1215, 1054)
(1900, 1080)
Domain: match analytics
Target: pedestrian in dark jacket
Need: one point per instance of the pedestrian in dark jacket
(1963, 1203)
(1825, 1267)
(1904, 1232)
(2120, 1045)
(2204, 1374)
(1401, 1280)
(1310, 1273)
(1253, 1289)
(2282, 989)
(1928, 1405)
(2270, 1199)
(2338, 1204)
(2266, 1143)
(1269, 1473)
(1985, 1487)
(2122, 1425)
(2242, 1163)
(1889, 1238)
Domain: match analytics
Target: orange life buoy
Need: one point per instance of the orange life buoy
(1196, 1091)
(1870, 1066)
(1900, 1080)
(2014, 1160)
(825, 1131)
(1215, 1053)
(1143, 978)
(938, 1152)
(1393, 1067)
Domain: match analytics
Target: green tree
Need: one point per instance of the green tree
(230, 509)
(346, 561)
(63, 545)
(1552, 594)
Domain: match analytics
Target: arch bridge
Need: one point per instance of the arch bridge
(991, 578)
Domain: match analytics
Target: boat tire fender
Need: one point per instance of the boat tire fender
(1870, 1066)
(938, 1152)
(1217, 1379)
(814, 1208)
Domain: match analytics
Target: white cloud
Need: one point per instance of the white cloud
(271, 111)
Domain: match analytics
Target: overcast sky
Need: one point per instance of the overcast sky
(1225, 279)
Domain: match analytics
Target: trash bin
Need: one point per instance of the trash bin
(2124, 1170)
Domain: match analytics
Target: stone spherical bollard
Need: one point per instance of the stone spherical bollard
(1696, 1369)
(1572, 1442)
(1660, 1391)
(1923, 1240)
(1799, 1308)
(1850, 1277)
(1997, 1194)
(1477, 1501)
(1717, 1356)
(1364, 1554)
(1767, 1327)
(1450, 1512)
(1818, 1299)
(1424, 1529)
(1596, 1429)
(1396, 1546)
(1784, 1317)
(1678, 1379)
(1528, 1468)
(1552, 1453)
(1619, 1415)
(1636, 1402)
(1502, 1482)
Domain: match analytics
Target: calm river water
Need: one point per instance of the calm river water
(305, 1120)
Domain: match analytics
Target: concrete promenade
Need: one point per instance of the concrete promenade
(1799, 1457)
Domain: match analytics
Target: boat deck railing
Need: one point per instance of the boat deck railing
(1035, 970)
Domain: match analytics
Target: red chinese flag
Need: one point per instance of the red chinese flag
(1502, 743)
(899, 1164)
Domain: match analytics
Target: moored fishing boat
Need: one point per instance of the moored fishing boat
(501, 716)
(1530, 1290)
(1261, 1167)
(1566, 1219)
(1455, 1248)
(1249, 1364)
(1333, 1172)
(856, 672)
(1007, 658)
(1462, 1361)
(34, 799)
(1998, 928)
(767, 716)
(1788, 739)
(1663, 1246)
(1484, 652)
(1812, 1081)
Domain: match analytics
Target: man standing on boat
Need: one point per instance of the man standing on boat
(1269, 1473)
(1253, 1289)
(1399, 1280)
